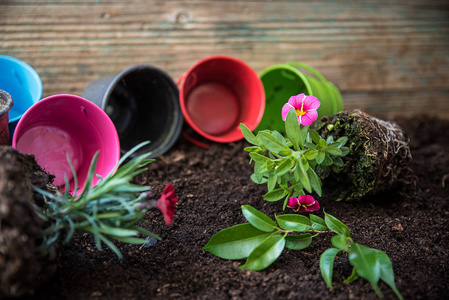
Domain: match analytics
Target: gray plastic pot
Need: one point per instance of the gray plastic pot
(143, 103)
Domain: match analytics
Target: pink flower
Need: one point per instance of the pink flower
(304, 203)
(166, 203)
(305, 108)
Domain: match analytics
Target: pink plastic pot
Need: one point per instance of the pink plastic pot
(68, 125)
(217, 94)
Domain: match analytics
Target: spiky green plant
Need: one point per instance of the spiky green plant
(109, 211)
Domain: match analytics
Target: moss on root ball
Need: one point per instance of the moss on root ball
(377, 161)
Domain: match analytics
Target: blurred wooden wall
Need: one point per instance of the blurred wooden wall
(387, 57)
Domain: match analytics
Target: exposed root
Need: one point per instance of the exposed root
(378, 158)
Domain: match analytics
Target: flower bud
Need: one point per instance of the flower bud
(166, 203)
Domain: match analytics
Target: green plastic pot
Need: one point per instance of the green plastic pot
(285, 80)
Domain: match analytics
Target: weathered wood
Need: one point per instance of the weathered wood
(386, 57)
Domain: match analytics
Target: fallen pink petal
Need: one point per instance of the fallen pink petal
(305, 108)
(303, 203)
(167, 203)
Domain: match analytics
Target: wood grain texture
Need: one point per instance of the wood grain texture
(387, 57)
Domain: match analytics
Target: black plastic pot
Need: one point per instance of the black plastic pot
(143, 103)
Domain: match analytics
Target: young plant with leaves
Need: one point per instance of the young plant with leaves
(290, 163)
(109, 211)
(262, 240)
(32, 225)
(287, 164)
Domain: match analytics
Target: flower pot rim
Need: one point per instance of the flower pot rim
(39, 87)
(9, 102)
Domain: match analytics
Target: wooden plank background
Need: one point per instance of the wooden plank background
(387, 57)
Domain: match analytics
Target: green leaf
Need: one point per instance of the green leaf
(118, 232)
(309, 145)
(266, 253)
(314, 136)
(336, 225)
(286, 199)
(279, 137)
(296, 174)
(303, 163)
(327, 265)
(258, 219)
(267, 166)
(364, 260)
(333, 151)
(283, 182)
(111, 246)
(249, 136)
(318, 223)
(148, 233)
(272, 179)
(298, 242)
(252, 149)
(386, 271)
(334, 144)
(90, 175)
(311, 154)
(236, 242)
(342, 140)
(298, 188)
(259, 158)
(339, 241)
(274, 195)
(258, 178)
(293, 130)
(284, 167)
(315, 181)
(128, 154)
(320, 157)
(344, 151)
(338, 162)
(322, 143)
(294, 222)
(354, 275)
(327, 161)
(131, 240)
(303, 177)
(272, 143)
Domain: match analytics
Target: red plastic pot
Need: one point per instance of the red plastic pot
(218, 93)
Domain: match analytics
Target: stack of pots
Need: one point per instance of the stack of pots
(142, 103)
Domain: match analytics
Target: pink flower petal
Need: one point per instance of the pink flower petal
(285, 109)
(293, 203)
(311, 102)
(297, 101)
(308, 200)
(303, 209)
(309, 117)
(314, 206)
(302, 199)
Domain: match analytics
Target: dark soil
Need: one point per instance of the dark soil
(212, 185)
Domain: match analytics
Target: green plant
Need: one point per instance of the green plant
(262, 240)
(109, 211)
(287, 165)
(292, 163)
